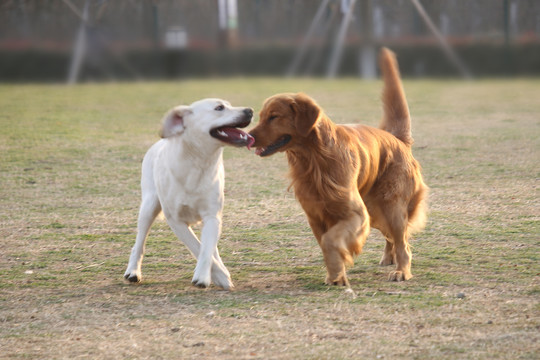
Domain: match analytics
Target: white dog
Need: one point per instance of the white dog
(183, 176)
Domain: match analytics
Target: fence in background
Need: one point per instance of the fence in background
(171, 38)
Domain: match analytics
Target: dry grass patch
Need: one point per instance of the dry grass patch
(70, 192)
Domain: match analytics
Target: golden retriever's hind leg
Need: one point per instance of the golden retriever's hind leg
(379, 220)
(389, 255)
(397, 250)
(403, 260)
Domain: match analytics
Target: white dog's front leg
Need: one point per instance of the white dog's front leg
(220, 274)
(210, 234)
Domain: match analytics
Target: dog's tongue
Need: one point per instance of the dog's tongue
(251, 141)
(237, 136)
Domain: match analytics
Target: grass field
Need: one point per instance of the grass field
(69, 194)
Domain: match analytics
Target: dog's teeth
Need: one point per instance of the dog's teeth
(222, 133)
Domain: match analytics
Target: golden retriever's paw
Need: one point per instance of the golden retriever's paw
(399, 275)
(340, 280)
(387, 260)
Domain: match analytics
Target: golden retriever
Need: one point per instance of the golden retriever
(350, 177)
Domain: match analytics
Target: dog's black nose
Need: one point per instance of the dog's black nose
(248, 112)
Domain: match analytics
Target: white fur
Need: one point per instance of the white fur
(183, 176)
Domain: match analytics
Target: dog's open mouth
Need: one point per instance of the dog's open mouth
(231, 134)
(272, 148)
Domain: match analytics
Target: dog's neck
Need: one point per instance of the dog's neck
(314, 166)
(322, 138)
(315, 150)
(191, 151)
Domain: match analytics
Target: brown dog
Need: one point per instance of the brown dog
(348, 177)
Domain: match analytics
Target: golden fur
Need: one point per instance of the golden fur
(350, 177)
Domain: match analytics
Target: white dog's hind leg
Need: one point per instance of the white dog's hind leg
(219, 273)
(150, 208)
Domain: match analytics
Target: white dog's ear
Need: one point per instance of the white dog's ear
(173, 122)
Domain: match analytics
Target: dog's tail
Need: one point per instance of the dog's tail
(396, 119)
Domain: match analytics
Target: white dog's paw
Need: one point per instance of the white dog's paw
(133, 276)
(201, 277)
(216, 273)
(200, 282)
(222, 279)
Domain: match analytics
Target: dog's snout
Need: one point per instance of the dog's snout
(248, 112)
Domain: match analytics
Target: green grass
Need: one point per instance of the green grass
(69, 195)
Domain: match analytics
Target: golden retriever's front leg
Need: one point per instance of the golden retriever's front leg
(333, 259)
(342, 243)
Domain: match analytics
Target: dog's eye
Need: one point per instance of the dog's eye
(220, 108)
(272, 118)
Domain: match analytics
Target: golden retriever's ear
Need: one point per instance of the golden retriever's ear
(307, 113)
(173, 122)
